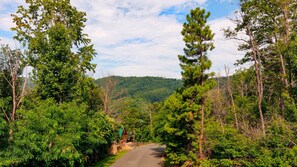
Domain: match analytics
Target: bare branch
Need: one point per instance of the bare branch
(24, 87)
(229, 87)
(239, 39)
(5, 114)
(6, 78)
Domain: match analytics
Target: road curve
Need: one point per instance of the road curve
(144, 156)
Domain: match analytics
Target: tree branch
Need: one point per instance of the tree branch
(8, 119)
(6, 78)
(24, 87)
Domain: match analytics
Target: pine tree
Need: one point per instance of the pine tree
(198, 38)
(187, 108)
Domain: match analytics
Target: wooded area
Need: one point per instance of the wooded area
(66, 118)
(250, 119)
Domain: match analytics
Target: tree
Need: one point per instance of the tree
(11, 68)
(187, 109)
(59, 51)
(218, 102)
(229, 88)
(270, 27)
(132, 114)
(51, 134)
(109, 93)
(244, 90)
(251, 46)
(198, 38)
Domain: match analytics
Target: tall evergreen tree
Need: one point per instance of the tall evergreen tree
(187, 109)
(198, 38)
(60, 52)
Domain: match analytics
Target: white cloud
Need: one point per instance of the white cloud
(8, 7)
(5, 22)
(133, 39)
(225, 52)
(9, 41)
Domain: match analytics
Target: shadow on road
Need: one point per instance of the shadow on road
(158, 152)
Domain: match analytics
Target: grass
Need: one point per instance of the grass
(106, 162)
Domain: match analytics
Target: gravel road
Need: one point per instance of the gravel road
(144, 156)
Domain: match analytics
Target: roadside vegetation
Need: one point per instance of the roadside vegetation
(108, 161)
(59, 116)
(245, 119)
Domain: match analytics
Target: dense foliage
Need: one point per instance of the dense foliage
(134, 101)
(151, 89)
(251, 116)
(52, 31)
(69, 119)
(59, 122)
(187, 110)
(50, 134)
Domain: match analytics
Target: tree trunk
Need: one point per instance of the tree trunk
(231, 96)
(151, 121)
(259, 80)
(201, 154)
(284, 9)
(14, 67)
(286, 40)
(220, 105)
(284, 78)
(105, 103)
(12, 115)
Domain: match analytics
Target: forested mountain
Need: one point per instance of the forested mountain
(69, 119)
(151, 89)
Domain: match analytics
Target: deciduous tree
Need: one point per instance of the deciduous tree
(12, 66)
(60, 53)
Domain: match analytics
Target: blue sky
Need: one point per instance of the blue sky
(220, 8)
(142, 37)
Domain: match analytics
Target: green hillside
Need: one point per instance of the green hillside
(152, 89)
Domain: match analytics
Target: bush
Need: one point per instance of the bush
(57, 135)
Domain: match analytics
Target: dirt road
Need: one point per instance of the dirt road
(144, 156)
